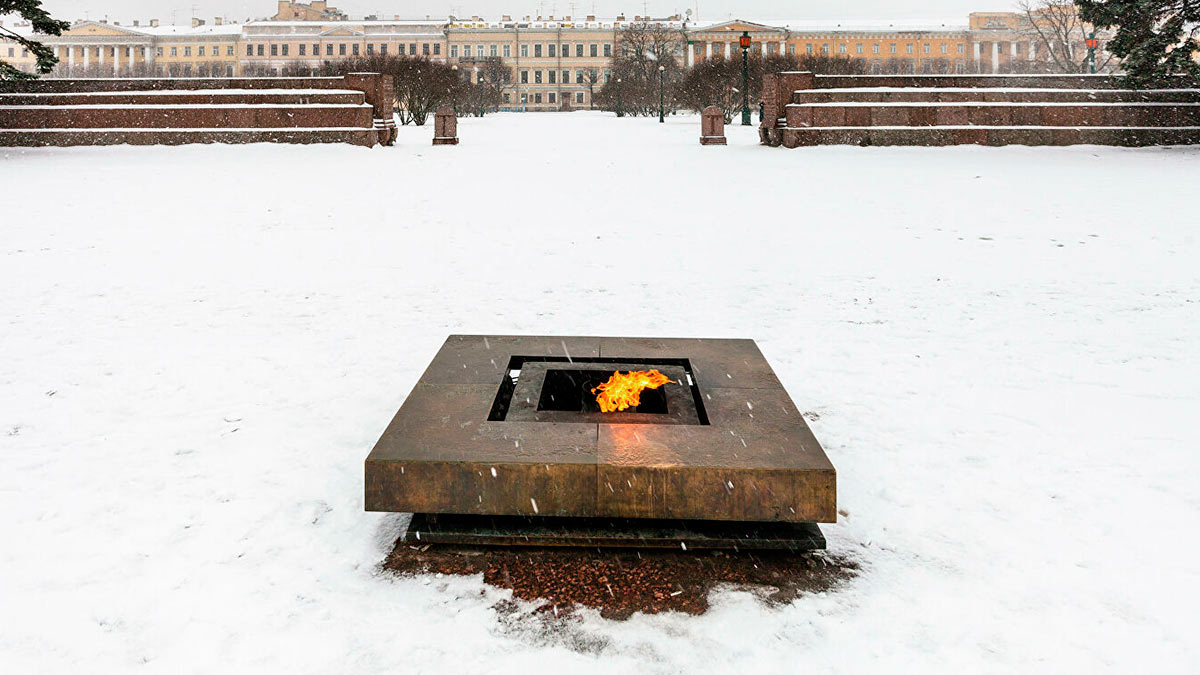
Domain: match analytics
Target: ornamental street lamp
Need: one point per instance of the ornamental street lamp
(661, 72)
(454, 90)
(620, 107)
(744, 43)
(1092, 43)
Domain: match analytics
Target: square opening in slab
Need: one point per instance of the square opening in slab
(559, 389)
(571, 391)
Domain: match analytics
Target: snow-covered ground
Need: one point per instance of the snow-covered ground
(201, 344)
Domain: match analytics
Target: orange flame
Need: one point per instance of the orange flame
(625, 391)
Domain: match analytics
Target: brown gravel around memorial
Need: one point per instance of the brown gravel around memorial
(620, 583)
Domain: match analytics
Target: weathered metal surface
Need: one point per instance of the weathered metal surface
(612, 533)
(756, 460)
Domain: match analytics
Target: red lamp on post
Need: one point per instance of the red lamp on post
(744, 42)
(1092, 43)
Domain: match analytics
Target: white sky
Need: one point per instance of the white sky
(707, 10)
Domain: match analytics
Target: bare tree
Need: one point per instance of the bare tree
(642, 49)
(1058, 30)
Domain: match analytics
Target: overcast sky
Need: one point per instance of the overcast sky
(706, 10)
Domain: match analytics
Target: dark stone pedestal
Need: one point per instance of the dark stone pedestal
(611, 533)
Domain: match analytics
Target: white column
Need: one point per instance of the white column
(117, 60)
(728, 50)
(102, 48)
(1032, 50)
(708, 50)
(691, 60)
(87, 56)
(71, 57)
(995, 57)
(978, 56)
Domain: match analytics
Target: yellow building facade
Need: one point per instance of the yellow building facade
(557, 63)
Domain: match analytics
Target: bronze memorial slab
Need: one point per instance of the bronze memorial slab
(507, 426)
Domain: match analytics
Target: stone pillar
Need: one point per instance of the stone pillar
(445, 127)
(87, 56)
(377, 89)
(708, 50)
(691, 55)
(728, 50)
(71, 58)
(995, 57)
(712, 126)
(117, 60)
(1032, 51)
(978, 56)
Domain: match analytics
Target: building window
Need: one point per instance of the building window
(961, 48)
(249, 50)
(944, 49)
(524, 99)
(579, 51)
(425, 49)
(274, 50)
(383, 48)
(579, 77)
(858, 48)
(524, 51)
(316, 50)
(342, 49)
(493, 50)
(579, 97)
(479, 51)
(454, 51)
(607, 50)
(370, 49)
(508, 51)
(909, 48)
(551, 98)
(524, 77)
(12, 52)
(285, 50)
(329, 50)
(841, 49)
(825, 49)
(553, 77)
(926, 49)
(174, 51)
(875, 48)
(791, 49)
(437, 49)
(552, 52)
(201, 53)
(594, 50)
(537, 51)
(892, 48)
(412, 49)
(566, 77)
(537, 98)
(537, 77)
(808, 49)
(229, 50)
(354, 49)
(303, 50)
(607, 76)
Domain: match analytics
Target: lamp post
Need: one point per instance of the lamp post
(478, 93)
(620, 106)
(454, 90)
(661, 113)
(1092, 43)
(744, 43)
